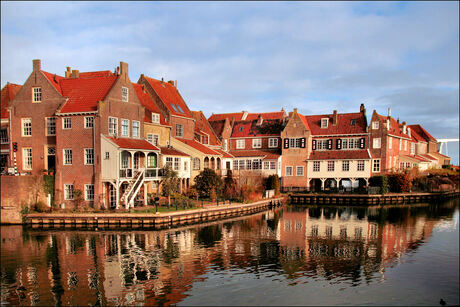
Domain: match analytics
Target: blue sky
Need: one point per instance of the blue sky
(257, 56)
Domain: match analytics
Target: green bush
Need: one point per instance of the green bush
(206, 181)
(380, 181)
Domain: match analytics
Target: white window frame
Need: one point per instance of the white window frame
(107, 155)
(321, 144)
(169, 161)
(89, 122)
(89, 188)
(176, 166)
(376, 165)
(180, 130)
(360, 166)
(28, 128)
(273, 142)
(136, 129)
(375, 125)
(185, 166)
(27, 158)
(125, 127)
(4, 136)
(68, 191)
(376, 143)
(345, 166)
(412, 148)
(150, 137)
(266, 164)
(205, 138)
(50, 121)
(36, 94)
(390, 142)
(89, 156)
(196, 163)
(225, 145)
(350, 143)
(124, 94)
(316, 166)
(67, 159)
(331, 166)
(66, 123)
(405, 145)
(291, 171)
(256, 143)
(240, 144)
(155, 118)
(299, 171)
(324, 122)
(400, 144)
(113, 125)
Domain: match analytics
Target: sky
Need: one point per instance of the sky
(257, 56)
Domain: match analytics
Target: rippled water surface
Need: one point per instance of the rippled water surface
(292, 256)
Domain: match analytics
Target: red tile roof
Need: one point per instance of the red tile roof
(95, 74)
(127, 143)
(339, 154)
(198, 146)
(251, 116)
(343, 126)
(395, 127)
(170, 96)
(422, 132)
(217, 126)
(169, 151)
(203, 125)
(255, 153)
(9, 91)
(84, 94)
(266, 115)
(223, 116)
(149, 104)
(269, 127)
(416, 137)
(224, 154)
(54, 80)
(417, 157)
(428, 157)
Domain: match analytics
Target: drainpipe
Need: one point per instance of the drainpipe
(94, 157)
(11, 140)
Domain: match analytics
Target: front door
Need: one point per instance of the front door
(136, 161)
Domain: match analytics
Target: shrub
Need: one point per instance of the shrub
(273, 183)
(206, 181)
(399, 182)
(230, 187)
(40, 206)
(380, 181)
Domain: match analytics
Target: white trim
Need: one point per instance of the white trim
(76, 113)
(84, 156)
(24, 156)
(285, 171)
(121, 126)
(63, 123)
(86, 198)
(22, 127)
(63, 156)
(84, 122)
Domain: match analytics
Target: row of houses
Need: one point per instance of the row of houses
(108, 137)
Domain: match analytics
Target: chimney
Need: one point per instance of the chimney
(245, 114)
(362, 109)
(75, 73)
(334, 118)
(389, 112)
(260, 120)
(295, 110)
(175, 84)
(397, 120)
(404, 127)
(124, 70)
(408, 131)
(68, 72)
(171, 82)
(162, 80)
(388, 123)
(37, 64)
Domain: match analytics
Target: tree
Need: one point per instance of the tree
(230, 186)
(273, 183)
(206, 181)
(169, 183)
(77, 198)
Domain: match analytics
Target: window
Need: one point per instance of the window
(407, 164)
(124, 94)
(400, 144)
(151, 160)
(27, 158)
(179, 130)
(107, 155)
(345, 166)
(67, 156)
(125, 127)
(4, 136)
(292, 143)
(196, 163)
(89, 122)
(185, 165)
(299, 171)
(353, 122)
(257, 164)
(89, 191)
(321, 144)
(272, 164)
(156, 138)
(113, 125)
(256, 143)
(239, 144)
(241, 164)
(136, 129)
(376, 143)
(350, 143)
(316, 166)
(324, 122)
(225, 145)
(204, 139)
(235, 164)
(248, 164)
(266, 164)
(176, 164)
(150, 137)
(26, 127)
(360, 167)
(169, 161)
(330, 166)
(50, 126)
(124, 160)
(390, 142)
(405, 144)
(66, 123)
(155, 118)
(36, 94)
(288, 170)
(89, 156)
(272, 142)
(376, 165)
(412, 148)
(375, 125)
(389, 162)
(401, 165)
(68, 191)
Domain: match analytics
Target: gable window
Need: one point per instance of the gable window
(113, 125)
(179, 130)
(345, 166)
(299, 171)
(136, 128)
(316, 166)
(288, 170)
(256, 143)
(125, 127)
(4, 136)
(36, 94)
(107, 155)
(27, 158)
(204, 139)
(272, 142)
(155, 118)
(240, 144)
(67, 123)
(26, 127)
(324, 122)
(68, 191)
(353, 122)
(124, 94)
(330, 166)
(376, 143)
(89, 191)
(412, 148)
(360, 166)
(196, 163)
(375, 125)
(50, 126)
(89, 156)
(67, 156)
(376, 165)
(89, 122)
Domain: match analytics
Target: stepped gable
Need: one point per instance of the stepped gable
(422, 133)
(202, 126)
(339, 155)
(344, 124)
(395, 127)
(149, 104)
(170, 96)
(9, 91)
(269, 127)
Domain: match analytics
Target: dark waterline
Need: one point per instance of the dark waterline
(406, 255)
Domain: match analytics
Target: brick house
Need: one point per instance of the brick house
(9, 91)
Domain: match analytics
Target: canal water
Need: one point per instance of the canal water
(401, 255)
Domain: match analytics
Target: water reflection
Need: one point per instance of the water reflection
(351, 246)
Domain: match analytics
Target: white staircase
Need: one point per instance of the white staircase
(133, 188)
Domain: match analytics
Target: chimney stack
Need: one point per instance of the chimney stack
(362, 109)
(75, 73)
(388, 123)
(334, 118)
(68, 72)
(124, 70)
(404, 127)
(389, 112)
(37, 64)
(259, 120)
(245, 114)
(171, 82)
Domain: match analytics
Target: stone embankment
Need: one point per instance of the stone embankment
(159, 220)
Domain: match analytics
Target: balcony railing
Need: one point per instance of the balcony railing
(126, 173)
(149, 173)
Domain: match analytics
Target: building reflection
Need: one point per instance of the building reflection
(141, 267)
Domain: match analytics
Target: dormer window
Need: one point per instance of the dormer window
(124, 94)
(375, 125)
(155, 118)
(353, 122)
(324, 122)
(204, 139)
(36, 94)
(241, 129)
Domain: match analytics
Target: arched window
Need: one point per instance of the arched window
(206, 162)
(151, 160)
